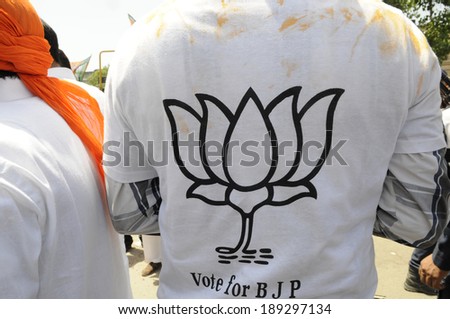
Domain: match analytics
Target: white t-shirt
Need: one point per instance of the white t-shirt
(282, 84)
(55, 238)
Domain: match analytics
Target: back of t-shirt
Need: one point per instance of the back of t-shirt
(271, 126)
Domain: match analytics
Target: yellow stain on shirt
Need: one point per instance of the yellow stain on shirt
(392, 33)
(154, 18)
(289, 66)
(419, 42)
(150, 18)
(305, 26)
(347, 14)
(330, 11)
(388, 47)
(376, 17)
(225, 29)
(183, 125)
(236, 32)
(191, 39)
(420, 85)
(280, 2)
(221, 20)
(312, 18)
(289, 22)
(161, 28)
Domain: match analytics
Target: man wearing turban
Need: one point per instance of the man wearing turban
(51, 182)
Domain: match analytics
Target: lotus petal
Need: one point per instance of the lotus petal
(213, 194)
(245, 164)
(285, 119)
(283, 195)
(316, 119)
(212, 135)
(185, 126)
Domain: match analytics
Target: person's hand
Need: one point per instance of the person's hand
(430, 274)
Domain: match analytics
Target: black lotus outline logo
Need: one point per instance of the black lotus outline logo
(266, 189)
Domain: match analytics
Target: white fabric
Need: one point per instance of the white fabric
(55, 238)
(321, 243)
(152, 248)
(61, 73)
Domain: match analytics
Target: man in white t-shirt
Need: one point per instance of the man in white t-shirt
(56, 240)
(278, 135)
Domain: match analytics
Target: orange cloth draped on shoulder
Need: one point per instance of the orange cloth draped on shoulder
(25, 51)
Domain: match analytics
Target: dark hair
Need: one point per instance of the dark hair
(63, 60)
(8, 74)
(52, 38)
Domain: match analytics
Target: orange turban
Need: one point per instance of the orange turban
(25, 51)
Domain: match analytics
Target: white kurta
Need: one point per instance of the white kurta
(55, 238)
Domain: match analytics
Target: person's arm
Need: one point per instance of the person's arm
(436, 266)
(413, 206)
(132, 183)
(22, 215)
(131, 180)
(134, 207)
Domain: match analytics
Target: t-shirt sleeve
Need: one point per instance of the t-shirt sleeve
(125, 157)
(422, 129)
